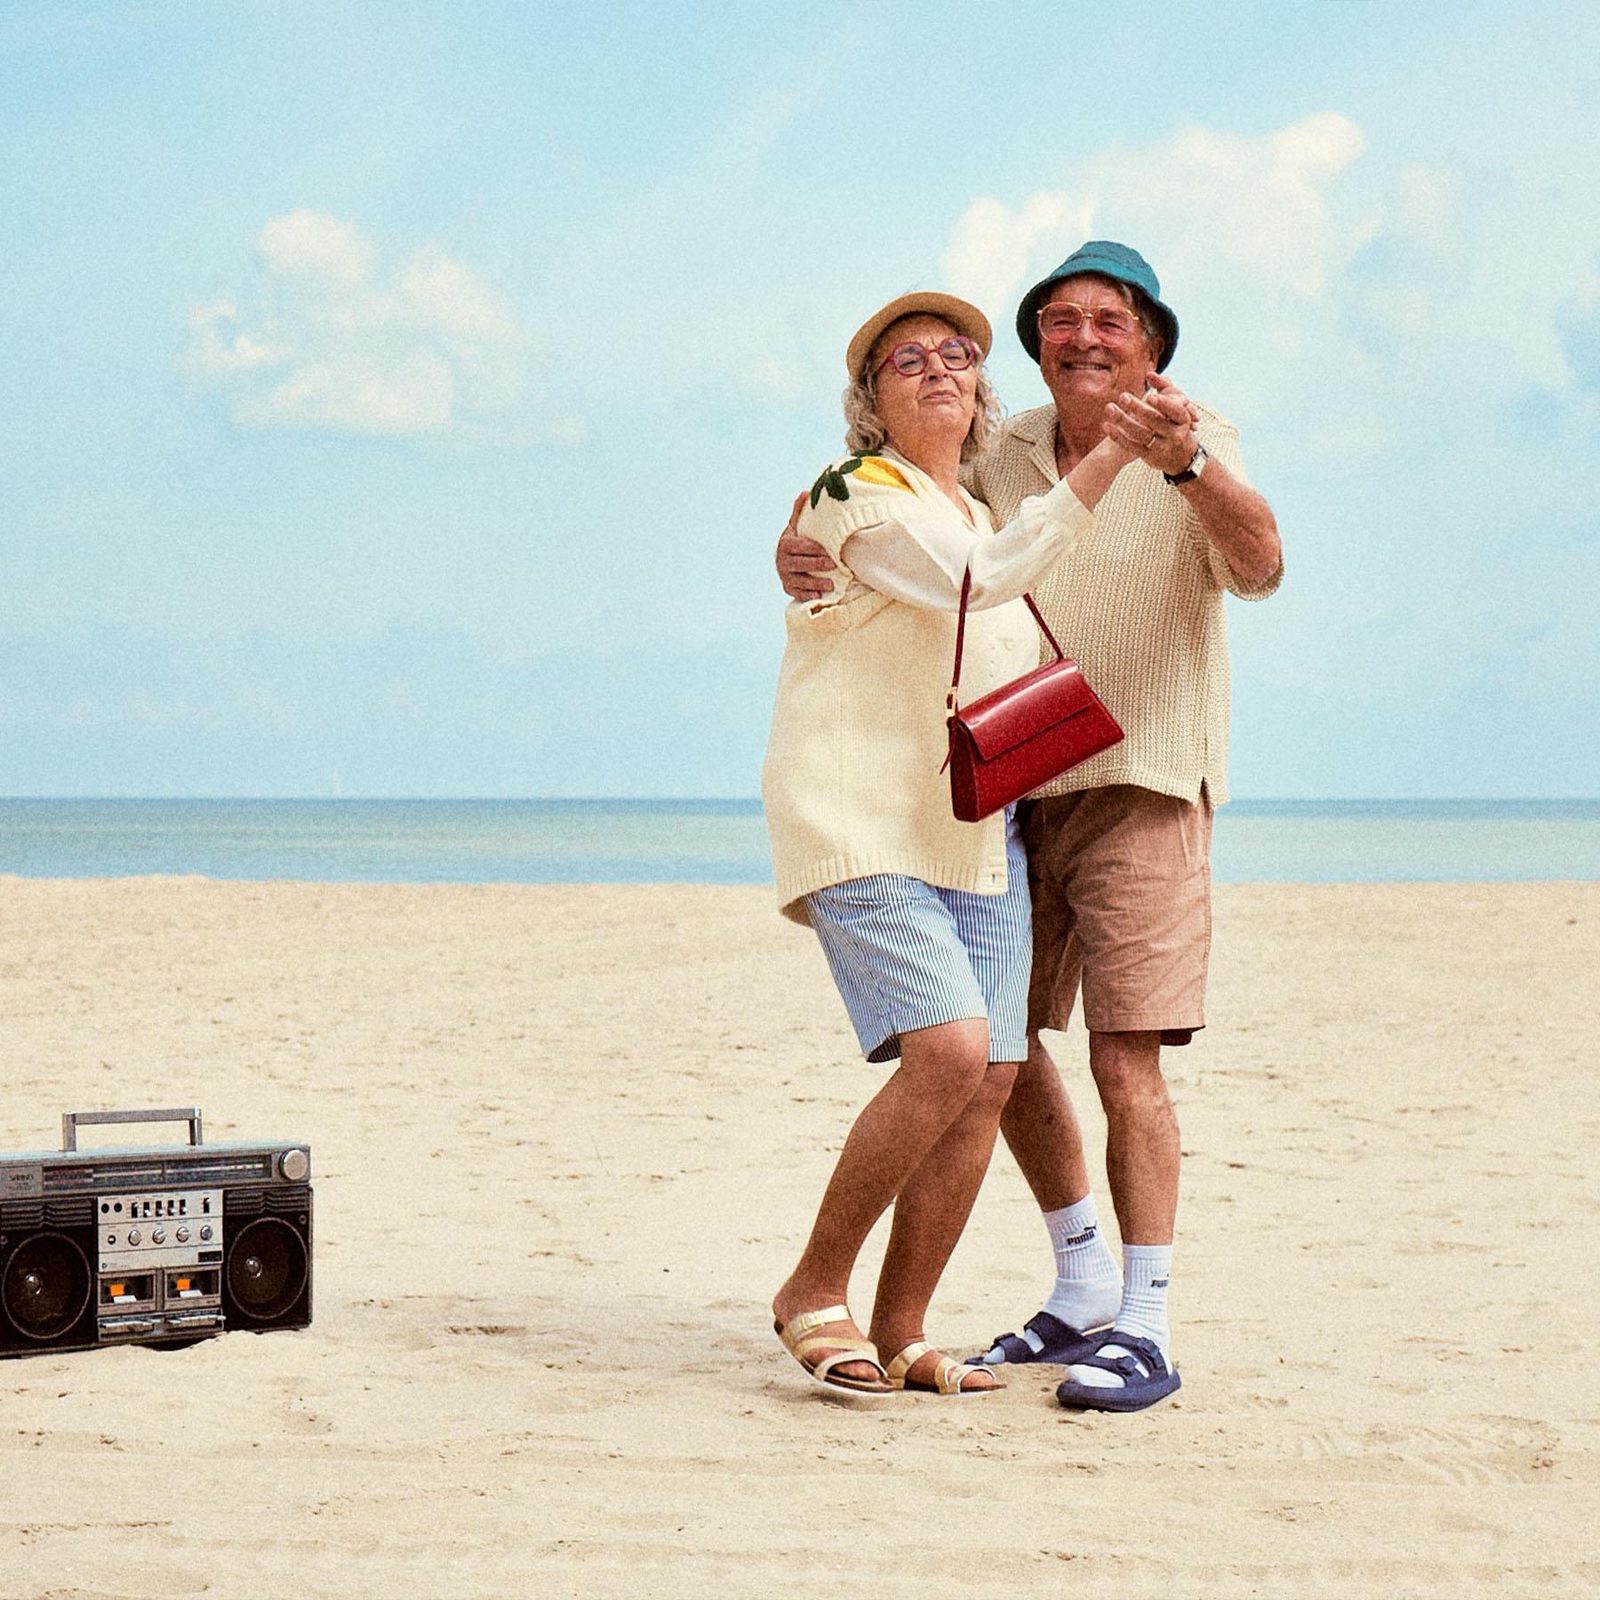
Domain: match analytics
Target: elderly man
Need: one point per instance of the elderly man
(1119, 847)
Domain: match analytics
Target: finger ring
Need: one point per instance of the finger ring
(1150, 441)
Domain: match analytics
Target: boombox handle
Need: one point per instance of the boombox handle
(71, 1121)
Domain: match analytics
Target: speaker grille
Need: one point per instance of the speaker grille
(266, 1267)
(266, 1272)
(45, 1286)
(287, 1201)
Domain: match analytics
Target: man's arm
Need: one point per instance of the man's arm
(802, 563)
(1159, 428)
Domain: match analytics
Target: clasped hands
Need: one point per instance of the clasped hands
(1157, 426)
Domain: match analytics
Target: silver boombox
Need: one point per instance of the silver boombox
(151, 1245)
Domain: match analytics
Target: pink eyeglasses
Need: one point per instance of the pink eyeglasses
(957, 353)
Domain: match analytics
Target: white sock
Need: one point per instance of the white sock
(1088, 1286)
(1146, 1269)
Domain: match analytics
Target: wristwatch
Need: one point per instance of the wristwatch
(1197, 465)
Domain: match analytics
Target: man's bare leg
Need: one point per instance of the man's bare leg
(1042, 1131)
(1133, 1368)
(1142, 1155)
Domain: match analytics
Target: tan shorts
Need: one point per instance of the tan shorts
(1121, 883)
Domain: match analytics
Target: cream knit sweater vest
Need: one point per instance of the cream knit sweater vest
(852, 783)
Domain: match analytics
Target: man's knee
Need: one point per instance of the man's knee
(1127, 1068)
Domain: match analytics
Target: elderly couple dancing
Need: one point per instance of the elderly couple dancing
(1123, 508)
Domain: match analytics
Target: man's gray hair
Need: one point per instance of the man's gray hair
(865, 433)
(1148, 320)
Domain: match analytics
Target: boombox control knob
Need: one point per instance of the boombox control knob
(205, 1230)
(134, 1236)
(294, 1165)
(182, 1236)
(158, 1236)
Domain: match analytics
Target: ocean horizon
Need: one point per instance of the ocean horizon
(724, 841)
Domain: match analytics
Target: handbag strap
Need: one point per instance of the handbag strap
(961, 633)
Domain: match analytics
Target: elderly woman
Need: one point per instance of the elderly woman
(923, 919)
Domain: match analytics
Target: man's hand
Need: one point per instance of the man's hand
(1158, 426)
(802, 562)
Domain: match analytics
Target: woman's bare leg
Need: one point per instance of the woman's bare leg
(941, 1068)
(930, 1212)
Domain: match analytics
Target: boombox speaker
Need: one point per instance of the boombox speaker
(151, 1245)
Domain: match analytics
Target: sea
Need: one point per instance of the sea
(724, 841)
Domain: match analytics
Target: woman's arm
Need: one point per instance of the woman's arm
(921, 556)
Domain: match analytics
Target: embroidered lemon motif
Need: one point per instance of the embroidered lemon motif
(868, 468)
(874, 469)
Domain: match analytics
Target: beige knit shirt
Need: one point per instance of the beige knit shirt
(1138, 604)
(852, 784)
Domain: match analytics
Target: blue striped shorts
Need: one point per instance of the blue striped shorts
(907, 955)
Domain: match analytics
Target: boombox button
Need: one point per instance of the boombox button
(134, 1236)
(158, 1236)
(182, 1236)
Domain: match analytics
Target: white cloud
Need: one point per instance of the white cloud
(325, 338)
(1258, 204)
(1310, 270)
(219, 345)
(988, 257)
(316, 245)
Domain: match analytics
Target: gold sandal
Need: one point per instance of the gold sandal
(948, 1375)
(793, 1334)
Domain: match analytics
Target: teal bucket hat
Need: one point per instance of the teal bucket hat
(1107, 259)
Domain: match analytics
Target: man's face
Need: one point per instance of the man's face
(1091, 368)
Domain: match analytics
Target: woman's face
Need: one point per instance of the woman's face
(936, 401)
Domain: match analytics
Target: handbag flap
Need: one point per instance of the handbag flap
(1026, 707)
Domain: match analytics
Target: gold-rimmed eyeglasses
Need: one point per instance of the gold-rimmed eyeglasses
(1061, 321)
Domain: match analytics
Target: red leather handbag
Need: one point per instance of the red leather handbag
(1024, 733)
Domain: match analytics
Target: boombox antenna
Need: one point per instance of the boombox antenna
(71, 1121)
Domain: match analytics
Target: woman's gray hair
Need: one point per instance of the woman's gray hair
(865, 433)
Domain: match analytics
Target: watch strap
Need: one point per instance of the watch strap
(1196, 465)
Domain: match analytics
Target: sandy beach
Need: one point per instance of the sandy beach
(566, 1142)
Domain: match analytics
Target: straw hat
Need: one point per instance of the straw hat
(962, 316)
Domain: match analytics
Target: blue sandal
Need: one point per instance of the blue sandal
(1146, 1377)
(1059, 1344)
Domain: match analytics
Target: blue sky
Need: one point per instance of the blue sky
(404, 398)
